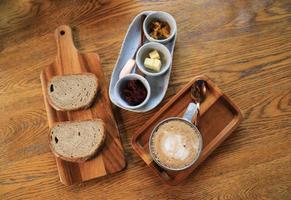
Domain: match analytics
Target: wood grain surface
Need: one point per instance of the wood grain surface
(243, 45)
(70, 61)
(218, 118)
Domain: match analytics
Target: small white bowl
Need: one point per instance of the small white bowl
(162, 16)
(118, 86)
(143, 53)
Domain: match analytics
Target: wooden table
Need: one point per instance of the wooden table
(244, 46)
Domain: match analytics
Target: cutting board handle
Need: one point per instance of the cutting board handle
(65, 44)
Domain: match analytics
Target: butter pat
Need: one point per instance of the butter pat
(157, 65)
(154, 54)
(153, 64)
(148, 62)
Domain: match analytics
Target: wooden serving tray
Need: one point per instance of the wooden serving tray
(219, 116)
(70, 61)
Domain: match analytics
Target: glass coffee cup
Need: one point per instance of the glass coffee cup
(176, 143)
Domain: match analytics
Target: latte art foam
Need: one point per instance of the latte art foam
(175, 144)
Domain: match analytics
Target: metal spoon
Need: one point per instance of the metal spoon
(198, 92)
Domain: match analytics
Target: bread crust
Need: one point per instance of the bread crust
(80, 108)
(79, 159)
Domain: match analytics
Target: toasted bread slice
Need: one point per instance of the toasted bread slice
(72, 92)
(77, 141)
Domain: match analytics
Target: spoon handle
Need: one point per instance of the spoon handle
(127, 68)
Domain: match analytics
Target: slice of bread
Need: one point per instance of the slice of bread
(72, 92)
(77, 141)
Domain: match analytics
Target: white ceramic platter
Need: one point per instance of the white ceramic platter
(159, 85)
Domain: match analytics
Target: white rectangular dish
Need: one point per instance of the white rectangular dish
(159, 85)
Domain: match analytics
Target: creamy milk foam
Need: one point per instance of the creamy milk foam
(175, 144)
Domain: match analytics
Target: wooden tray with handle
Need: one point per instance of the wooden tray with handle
(70, 61)
(219, 116)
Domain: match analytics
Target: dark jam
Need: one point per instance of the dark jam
(133, 92)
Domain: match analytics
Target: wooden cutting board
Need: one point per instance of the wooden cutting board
(70, 61)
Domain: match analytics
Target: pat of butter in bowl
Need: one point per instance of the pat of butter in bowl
(153, 62)
(154, 54)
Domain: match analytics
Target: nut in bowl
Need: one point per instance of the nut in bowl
(153, 59)
(159, 27)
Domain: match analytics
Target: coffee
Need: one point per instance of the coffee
(175, 144)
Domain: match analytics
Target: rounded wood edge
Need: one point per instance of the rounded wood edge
(123, 165)
(63, 176)
(227, 98)
(63, 33)
(64, 40)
